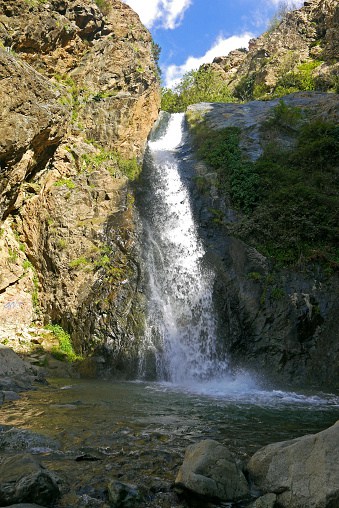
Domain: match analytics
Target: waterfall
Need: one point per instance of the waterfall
(181, 325)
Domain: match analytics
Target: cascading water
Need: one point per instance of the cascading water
(181, 325)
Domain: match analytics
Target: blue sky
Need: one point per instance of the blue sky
(192, 32)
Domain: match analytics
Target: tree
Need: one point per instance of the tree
(202, 85)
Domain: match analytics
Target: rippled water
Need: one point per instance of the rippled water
(139, 431)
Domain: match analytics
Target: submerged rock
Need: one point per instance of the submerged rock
(23, 479)
(123, 495)
(303, 472)
(210, 470)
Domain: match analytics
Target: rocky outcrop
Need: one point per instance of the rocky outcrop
(24, 480)
(279, 322)
(298, 52)
(210, 470)
(303, 472)
(16, 375)
(79, 93)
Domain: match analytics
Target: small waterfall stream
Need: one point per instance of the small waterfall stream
(181, 325)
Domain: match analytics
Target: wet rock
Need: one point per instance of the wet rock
(209, 469)
(23, 479)
(303, 472)
(123, 495)
(12, 439)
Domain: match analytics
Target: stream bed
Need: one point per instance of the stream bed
(137, 432)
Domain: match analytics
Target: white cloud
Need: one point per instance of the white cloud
(221, 47)
(165, 13)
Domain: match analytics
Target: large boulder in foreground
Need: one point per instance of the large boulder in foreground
(22, 480)
(303, 472)
(209, 469)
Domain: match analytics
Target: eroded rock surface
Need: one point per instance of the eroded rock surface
(303, 472)
(79, 93)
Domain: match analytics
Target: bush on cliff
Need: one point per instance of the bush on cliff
(202, 85)
(288, 196)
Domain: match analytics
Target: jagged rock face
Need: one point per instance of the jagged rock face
(310, 33)
(78, 87)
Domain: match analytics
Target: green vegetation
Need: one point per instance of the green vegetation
(65, 181)
(114, 162)
(203, 85)
(27, 265)
(80, 262)
(288, 196)
(156, 50)
(65, 349)
(103, 5)
(35, 292)
(300, 78)
(236, 176)
(13, 256)
(34, 3)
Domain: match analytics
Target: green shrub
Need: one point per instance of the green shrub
(236, 175)
(114, 162)
(244, 90)
(65, 350)
(202, 85)
(82, 261)
(288, 196)
(68, 182)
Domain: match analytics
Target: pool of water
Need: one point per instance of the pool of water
(137, 431)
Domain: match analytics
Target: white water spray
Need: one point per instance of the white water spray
(181, 327)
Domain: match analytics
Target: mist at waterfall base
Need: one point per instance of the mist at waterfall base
(181, 350)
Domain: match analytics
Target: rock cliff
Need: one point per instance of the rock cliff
(277, 317)
(298, 52)
(79, 93)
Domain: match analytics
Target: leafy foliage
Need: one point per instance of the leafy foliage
(114, 161)
(65, 349)
(236, 175)
(202, 85)
(289, 197)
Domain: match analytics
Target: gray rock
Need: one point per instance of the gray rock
(266, 501)
(25, 505)
(11, 364)
(209, 469)
(10, 395)
(12, 439)
(303, 472)
(22, 480)
(123, 495)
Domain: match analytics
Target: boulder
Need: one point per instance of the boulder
(303, 472)
(266, 501)
(123, 495)
(22, 480)
(209, 469)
